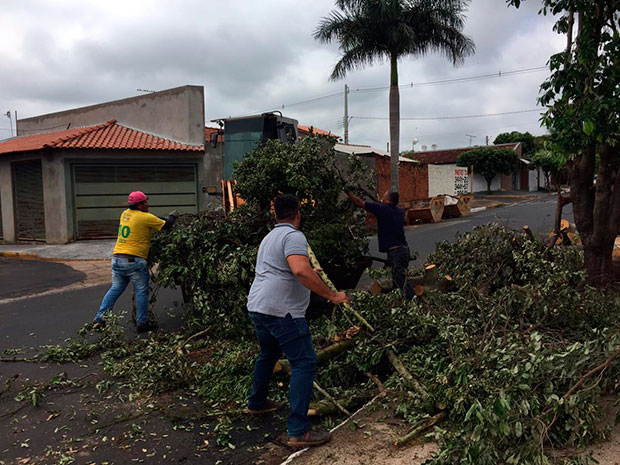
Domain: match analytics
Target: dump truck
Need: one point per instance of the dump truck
(244, 133)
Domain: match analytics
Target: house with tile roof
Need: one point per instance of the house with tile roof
(66, 175)
(446, 178)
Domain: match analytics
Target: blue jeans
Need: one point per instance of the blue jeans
(398, 261)
(291, 336)
(124, 271)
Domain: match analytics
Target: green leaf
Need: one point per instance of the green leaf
(588, 128)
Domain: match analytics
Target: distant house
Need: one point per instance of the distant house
(445, 177)
(67, 175)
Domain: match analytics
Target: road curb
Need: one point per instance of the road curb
(487, 207)
(34, 256)
(511, 197)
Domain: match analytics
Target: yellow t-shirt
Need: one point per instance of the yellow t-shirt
(135, 231)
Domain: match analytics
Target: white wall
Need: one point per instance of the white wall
(480, 184)
(535, 179)
(447, 179)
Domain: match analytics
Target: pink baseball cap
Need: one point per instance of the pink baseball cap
(136, 197)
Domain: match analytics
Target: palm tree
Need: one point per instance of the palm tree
(372, 31)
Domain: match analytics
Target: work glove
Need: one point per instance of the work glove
(174, 213)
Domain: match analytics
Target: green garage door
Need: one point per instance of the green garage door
(101, 193)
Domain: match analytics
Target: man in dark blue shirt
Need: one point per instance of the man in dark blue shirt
(391, 235)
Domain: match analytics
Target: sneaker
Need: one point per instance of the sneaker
(148, 326)
(98, 325)
(310, 438)
(268, 407)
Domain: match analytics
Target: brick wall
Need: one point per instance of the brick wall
(413, 179)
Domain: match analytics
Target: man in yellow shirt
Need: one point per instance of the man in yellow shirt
(129, 261)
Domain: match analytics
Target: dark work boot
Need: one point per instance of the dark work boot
(310, 438)
(148, 326)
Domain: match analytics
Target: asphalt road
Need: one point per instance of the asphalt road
(49, 319)
(538, 214)
(23, 277)
(52, 318)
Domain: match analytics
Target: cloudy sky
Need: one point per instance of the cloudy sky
(253, 56)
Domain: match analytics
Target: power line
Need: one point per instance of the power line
(499, 74)
(448, 117)
(480, 77)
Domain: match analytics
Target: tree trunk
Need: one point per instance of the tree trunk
(489, 181)
(596, 210)
(598, 261)
(394, 125)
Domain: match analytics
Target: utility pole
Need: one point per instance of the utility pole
(346, 114)
(487, 138)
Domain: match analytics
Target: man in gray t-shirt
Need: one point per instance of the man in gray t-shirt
(277, 305)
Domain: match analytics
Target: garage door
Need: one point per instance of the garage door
(28, 191)
(101, 193)
(1, 234)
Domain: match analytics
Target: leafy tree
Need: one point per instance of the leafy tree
(527, 140)
(549, 162)
(375, 30)
(583, 116)
(309, 170)
(489, 161)
(211, 256)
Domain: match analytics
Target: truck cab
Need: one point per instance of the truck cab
(244, 133)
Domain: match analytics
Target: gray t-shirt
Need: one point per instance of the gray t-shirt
(275, 290)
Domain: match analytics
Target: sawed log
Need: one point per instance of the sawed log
(394, 360)
(322, 355)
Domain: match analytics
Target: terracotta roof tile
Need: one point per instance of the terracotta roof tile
(444, 157)
(317, 131)
(110, 135)
(209, 131)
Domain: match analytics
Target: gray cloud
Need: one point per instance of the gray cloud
(252, 56)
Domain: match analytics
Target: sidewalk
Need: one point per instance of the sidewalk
(80, 250)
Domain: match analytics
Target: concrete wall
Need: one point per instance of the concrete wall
(448, 179)
(6, 201)
(480, 184)
(54, 198)
(213, 168)
(176, 114)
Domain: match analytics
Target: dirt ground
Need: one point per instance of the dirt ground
(367, 439)
(83, 419)
(370, 442)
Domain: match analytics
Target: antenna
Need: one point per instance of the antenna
(413, 142)
(8, 115)
(424, 147)
(434, 147)
(471, 136)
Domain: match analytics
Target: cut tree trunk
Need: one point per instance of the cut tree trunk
(326, 353)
